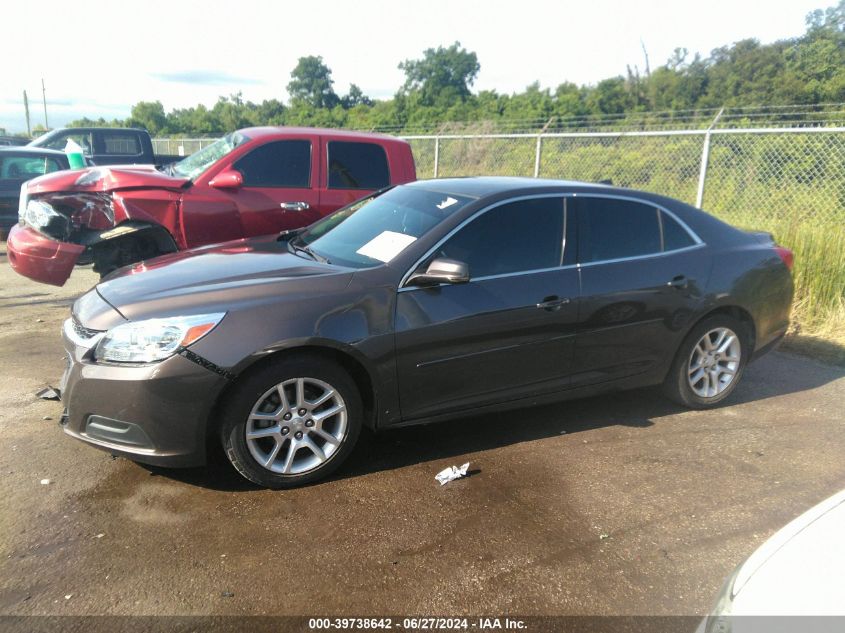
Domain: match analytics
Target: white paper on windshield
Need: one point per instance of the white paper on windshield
(448, 202)
(386, 245)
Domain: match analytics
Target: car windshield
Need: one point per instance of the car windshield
(198, 162)
(376, 229)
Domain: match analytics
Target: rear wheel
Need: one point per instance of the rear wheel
(709, 363)
(292, 422)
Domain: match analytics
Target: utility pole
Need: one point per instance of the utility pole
(44, 97)
(26, 107)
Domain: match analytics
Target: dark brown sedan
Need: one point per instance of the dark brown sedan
(425, 302)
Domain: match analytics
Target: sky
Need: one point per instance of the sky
(98, 58)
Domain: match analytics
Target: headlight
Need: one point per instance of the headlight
(22, 202)
(43, 217)
(154, 339)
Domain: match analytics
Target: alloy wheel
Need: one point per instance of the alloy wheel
(714, 362)
(296, 426)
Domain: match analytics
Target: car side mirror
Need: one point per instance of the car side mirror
(441, 271)
(227, 179)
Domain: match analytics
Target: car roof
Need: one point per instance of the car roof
(484, 186)
(275, 130)
(93, 128)
(492, 188)
(23, 149)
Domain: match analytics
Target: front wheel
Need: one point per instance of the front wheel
(709, 363)
(292, 422)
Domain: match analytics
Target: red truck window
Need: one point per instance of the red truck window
(277, 164)
(357, 166)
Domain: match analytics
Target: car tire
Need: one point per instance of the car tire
(284, 443)
(709, 363)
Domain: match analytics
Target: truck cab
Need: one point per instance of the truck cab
(103, 146)
(252, 182)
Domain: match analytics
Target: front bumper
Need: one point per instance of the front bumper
(41, 258)
(155, 414)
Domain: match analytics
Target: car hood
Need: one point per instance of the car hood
(105, 179)
(219, 277)
(798, 571)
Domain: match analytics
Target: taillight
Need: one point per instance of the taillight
(786, 255)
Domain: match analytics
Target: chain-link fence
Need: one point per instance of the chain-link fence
(747, 176)
(740, 174)
(180, 146)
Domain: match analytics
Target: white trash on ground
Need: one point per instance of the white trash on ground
(449, 474)
(47, 393)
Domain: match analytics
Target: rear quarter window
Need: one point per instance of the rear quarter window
(675, 236)
(355, 165)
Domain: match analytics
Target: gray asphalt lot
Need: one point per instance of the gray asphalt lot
(621, 504)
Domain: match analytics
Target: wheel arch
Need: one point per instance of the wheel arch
(345, 357)
(135, 229)
(734, 311)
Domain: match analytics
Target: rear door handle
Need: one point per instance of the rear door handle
(295, 206)
(680, 282)
(552, 303)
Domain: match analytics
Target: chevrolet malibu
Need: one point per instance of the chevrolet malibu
(421, 303)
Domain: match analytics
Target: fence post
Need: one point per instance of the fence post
(705, 158)
(436, 156)
(539, 150)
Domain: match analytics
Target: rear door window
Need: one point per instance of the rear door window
(611, 229)
(277, 164)
(357, 166)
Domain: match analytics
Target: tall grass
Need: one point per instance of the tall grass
(818, 310)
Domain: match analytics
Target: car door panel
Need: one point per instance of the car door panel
(632, 318)
(634, 307)
(508, 332)
(266, 209)
(465, 345)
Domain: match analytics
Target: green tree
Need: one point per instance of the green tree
(311, 83)
(355, 97)
(609, 97)
(442, 77)
(149, 115)
(231, 112)
(197, 120)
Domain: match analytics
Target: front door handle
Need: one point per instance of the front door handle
(552, 303)
(295, 206)
(680, 282)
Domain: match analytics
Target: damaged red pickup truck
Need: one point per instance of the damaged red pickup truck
(252, 182)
